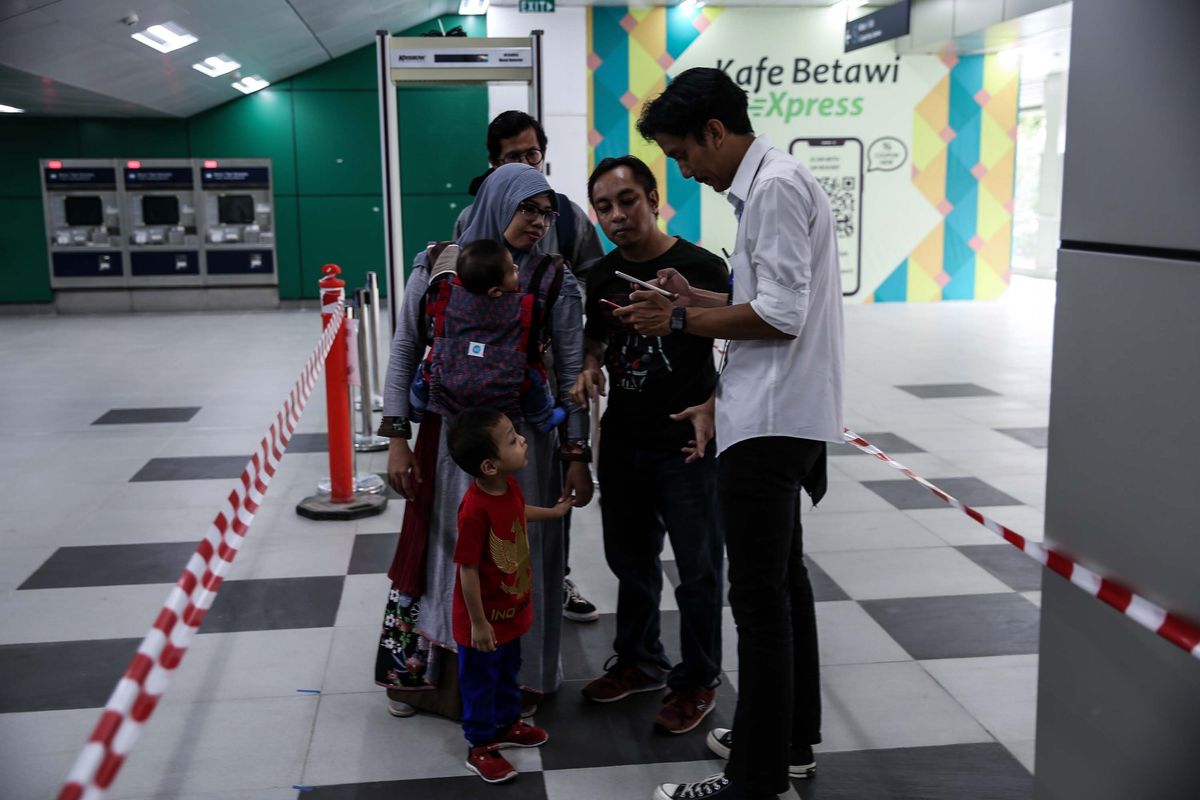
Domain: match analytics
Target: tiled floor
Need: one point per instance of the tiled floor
(120, 450)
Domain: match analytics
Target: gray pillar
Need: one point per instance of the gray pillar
(1118, 707)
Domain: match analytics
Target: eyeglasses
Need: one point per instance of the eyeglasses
(532, 157)
(531, 212)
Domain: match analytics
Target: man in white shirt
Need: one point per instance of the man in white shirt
(778, 402)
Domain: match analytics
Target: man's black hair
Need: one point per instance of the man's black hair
(641, 172)
(510, 124)
(481, 265)
(691, 100)
(469, 438)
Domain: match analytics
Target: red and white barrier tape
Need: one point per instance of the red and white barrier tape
(1177, 631)
(144, 682)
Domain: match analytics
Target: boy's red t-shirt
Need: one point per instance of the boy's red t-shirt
(492, 533)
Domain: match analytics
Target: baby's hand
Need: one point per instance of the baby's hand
(483, 637)
(563, 505)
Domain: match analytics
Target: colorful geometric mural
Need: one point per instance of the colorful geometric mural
(629, 53)
(963, 160)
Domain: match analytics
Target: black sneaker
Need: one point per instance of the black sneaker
(714, 787)
(575, 607)
(801, 763)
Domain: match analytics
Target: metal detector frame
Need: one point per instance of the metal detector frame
(390, 75)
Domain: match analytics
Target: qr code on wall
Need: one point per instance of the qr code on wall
(843, 199)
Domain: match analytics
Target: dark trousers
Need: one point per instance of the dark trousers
(645, 493)
(490, 693)
(779, 691)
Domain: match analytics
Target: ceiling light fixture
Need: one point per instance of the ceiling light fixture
(250, 84)
(165, 38)
(10, 109)
(468, 8)
(216, 66)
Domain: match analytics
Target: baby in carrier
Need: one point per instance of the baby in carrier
(486, 270)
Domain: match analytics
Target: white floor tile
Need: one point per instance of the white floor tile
(867, 706)
(999, 691)
(926, 572)
(870, 530)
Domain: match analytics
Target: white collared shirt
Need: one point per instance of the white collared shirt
(785, 265)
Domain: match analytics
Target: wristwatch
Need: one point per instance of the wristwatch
(395, 428)
(678, 322)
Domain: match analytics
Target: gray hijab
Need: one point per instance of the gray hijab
(498, 198)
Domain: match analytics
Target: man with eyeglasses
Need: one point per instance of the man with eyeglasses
(516, 137)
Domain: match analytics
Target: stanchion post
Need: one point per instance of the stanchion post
(337, 395)
(343, 498)
(366, 441)
(372, 315)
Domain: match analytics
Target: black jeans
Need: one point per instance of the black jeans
(779, 691)
(645, 493)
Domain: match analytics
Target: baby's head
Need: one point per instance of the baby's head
(485, 444)
(486, 267)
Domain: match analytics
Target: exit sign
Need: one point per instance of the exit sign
(536, 6)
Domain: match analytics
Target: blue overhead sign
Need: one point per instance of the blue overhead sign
(886, 23)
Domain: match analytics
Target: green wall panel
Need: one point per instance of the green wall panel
(428, 218)
(133, 138)
(443, 137)
(257, 126)
(347, 231)
(355, 70)
(337, 142)
(287, 248)
(23, 257)
(23, 142)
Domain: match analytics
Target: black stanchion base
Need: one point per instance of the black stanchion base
(321, 506)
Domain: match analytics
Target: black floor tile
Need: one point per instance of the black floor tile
(889, 443)
(112, 565)
(949, 772)
(824, 588)
(1034, 437)
(527, 786)
(907, 494)
(53, 676)
(1008, 564)
(372, 553)
(965, 626)
(274, 604)
(191, 468)
(309, 443)
(929, 391)
(586, 734)
(586, 646)
(136, 416)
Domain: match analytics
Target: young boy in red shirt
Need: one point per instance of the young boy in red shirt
(492, 607)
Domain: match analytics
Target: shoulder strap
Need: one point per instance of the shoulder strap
(443, 257)
(538, 300)
(565, 227)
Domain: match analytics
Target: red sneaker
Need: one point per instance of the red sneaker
(522, 734)
(486, 762)
(683, 711)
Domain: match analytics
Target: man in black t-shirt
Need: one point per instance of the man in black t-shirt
(653, 478)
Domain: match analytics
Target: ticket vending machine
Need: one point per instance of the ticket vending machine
(82, 206)
(161, 211)
(238, 222)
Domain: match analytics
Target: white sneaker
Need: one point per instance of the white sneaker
(398, 709)
(715, 787)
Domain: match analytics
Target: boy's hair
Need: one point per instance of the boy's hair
(509, 124)
(691, 100)
(641, 172)
(481, 265)
(469, 438)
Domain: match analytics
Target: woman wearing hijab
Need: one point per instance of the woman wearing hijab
(515, 205)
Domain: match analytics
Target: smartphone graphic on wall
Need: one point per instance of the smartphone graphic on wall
(837, 165)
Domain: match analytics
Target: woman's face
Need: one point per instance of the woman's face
(529, 224)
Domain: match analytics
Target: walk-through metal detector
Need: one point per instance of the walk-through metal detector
(432, 60)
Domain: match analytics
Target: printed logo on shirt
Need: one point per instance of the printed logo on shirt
(475, 349)
(512, 558)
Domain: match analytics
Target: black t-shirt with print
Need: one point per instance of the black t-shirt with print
(652, 377)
